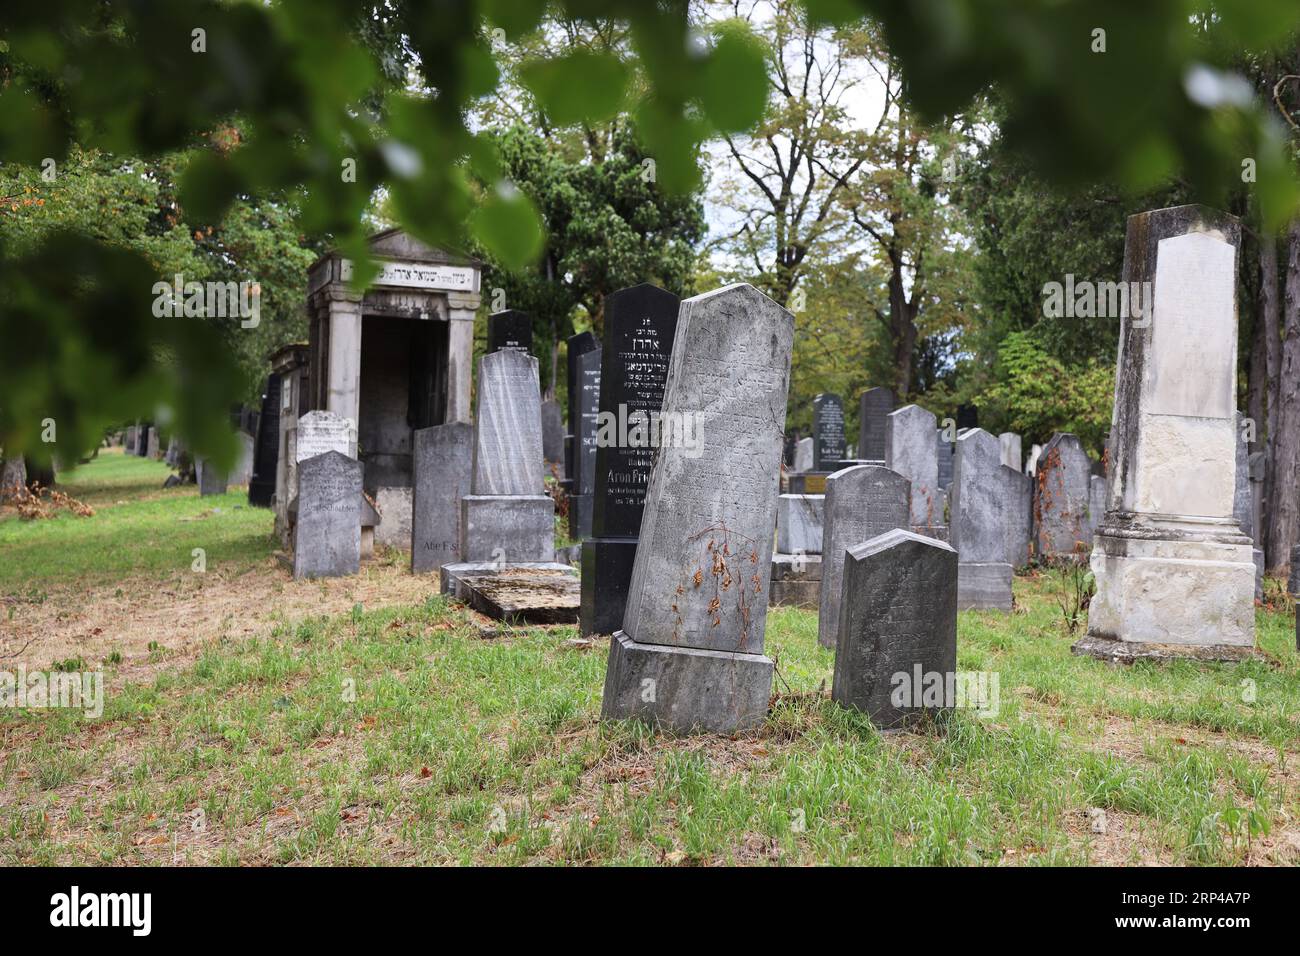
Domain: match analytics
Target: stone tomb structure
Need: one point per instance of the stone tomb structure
(1175, 574)
(392, 359)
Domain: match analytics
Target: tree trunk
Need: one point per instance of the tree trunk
(1257, 388)
(903, 332)
(1284, 491)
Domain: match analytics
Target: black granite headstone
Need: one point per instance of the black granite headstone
(266, 453)
(828, 432)
(511, 329)
(874, 406)
(579, 345)
(640, 324)
(584, 411)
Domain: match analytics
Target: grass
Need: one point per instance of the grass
(399, 734)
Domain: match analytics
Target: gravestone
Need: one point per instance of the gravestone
(128, 446)
(640, 326)
(1096, 501)
(799, 521)
(690, 654)
(553, 438)
(1063, 496)
(796, 580)
(510, 329)
(142, 441)
(152, 449)
(506, 517)
(803, 455)
(944, 450)
(861, 503)
(584, 408)
(266, 453)
(320, 432)
(243, 472)
(1018, 526)
(442, 458)
(1010, 444)
(968, 416)
(828, 432)
(874, 405)
(578, 345)
(1174, 574)
(981, 510)
(327, 536)
(210, 479)
(896, 637)
(910, 451)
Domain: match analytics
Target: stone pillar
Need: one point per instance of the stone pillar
(343, 389)
(1175, 575)
(460, 353)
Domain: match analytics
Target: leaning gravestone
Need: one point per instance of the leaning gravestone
(640, 326)
(1063, 494)
(506, 518)
(861, 503)
(910, 451)
(327, 536)
(510, 329)
(874, 406)
(828, 432)
(980, 512)
(584, 409)
(896, 637)
(690, 654)
(1174, 574)
(441, 465)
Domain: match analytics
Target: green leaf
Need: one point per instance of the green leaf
(733, 83)
(208, 187)
(508, 225)
(581, 86)
(516, 17)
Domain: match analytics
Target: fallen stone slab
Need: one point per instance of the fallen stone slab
(526, 593)
(1126, 652)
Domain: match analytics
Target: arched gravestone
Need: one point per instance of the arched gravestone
(828, 432)
(1174, 573)
(910, 450)
(862, 503)
(1063, 495)
(442, 458)
(327, 536)
(690, 654)
(981, 510)
(874, 406)
(640, 327)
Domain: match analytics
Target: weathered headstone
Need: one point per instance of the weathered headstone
(874, 405)
(510, 329)
(243, 472)
(1018, 523)
(327, 536)
(322, 431)
(803, 455)
(861, 503)
(1010, 444)
(943, 453)
(152, 450)
(584, 409)
(690, 654)
(210, 479)
(896, 637)
(980, 510)
(507, 518)
(1174, 573)
(640, 326)
(828, 432)
(1063, 496)
(1096, 501)
(799, 521)
(553, 438)
(442, 458)
(910, 450)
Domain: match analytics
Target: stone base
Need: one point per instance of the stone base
(796, 580)
(1192, 583)
(685, 689)
(606, 576)
(580, 510)
(532, 593)
(1126, 652)
(984, 587)
(507, 528)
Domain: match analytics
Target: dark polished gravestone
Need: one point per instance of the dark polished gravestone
(861, 503)
(578, 346)
(327, 537)
(829, 445)
(266, 453)
(584, 407)
(896, 640)
(640, 324)
(441, 477)
(510, 329)
(690, 654)
(874, 406)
